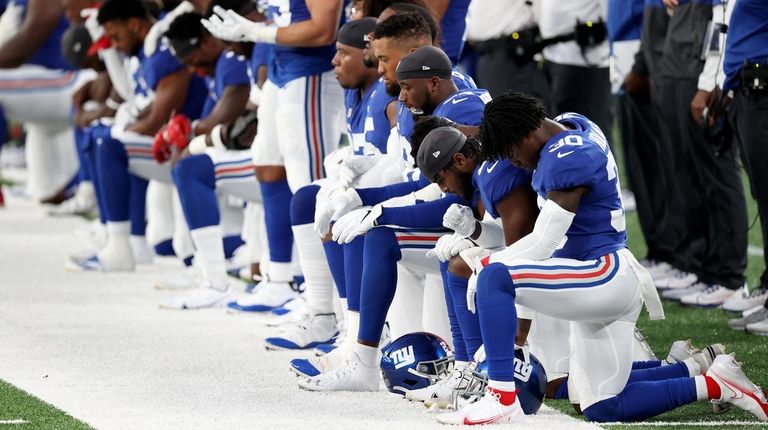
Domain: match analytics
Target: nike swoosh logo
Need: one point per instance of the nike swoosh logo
(490, 420)
(490, 168)
(457, 101)
(564, 154)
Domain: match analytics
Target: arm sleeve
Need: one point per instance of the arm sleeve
(115, 65)
(372, 196)
(422, 215)
(713, 74)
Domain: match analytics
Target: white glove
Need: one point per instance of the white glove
(479, 356)
(91, 16)
(228, 25)
(471, 291)
(155, 35)
(354, 167)
(355, 223)
(460, 219)
(472, 257)
(334, 208)
(449, 245)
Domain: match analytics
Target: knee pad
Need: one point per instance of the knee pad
(608, 410)
(303, 205)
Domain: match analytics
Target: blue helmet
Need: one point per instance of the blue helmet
(530, 381)
(415, 360)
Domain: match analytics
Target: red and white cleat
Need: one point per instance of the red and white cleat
(736, 388)
(495, 407)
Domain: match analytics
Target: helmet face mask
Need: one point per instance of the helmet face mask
(414, 361)
(530, 380)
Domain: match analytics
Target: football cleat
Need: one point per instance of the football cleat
(314, 366)
(308, 333)
(203, 297)
(736, 388)
(712, 296)
(683, 349)
(351, 375)
(296, 304)
(744, 300)
(676, 279)
(85, 264)
(327, 348)
(268, 296)
(657, 269)
(487, 410)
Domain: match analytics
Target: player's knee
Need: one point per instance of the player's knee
(459, 267)
(303, 205)
(381, 241)
(270, 173)
(493, 280)
(191, 169)
(608, 410)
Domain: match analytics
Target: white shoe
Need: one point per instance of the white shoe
(327, 348)
(743, 299)
(678, 293)
(308, 333)
(268, 296)
(676, 279)
(317, 365)
(749, 318)
(736, 388)
(713, 296)
(83, 203)
(186, 280)
(683, 349)
(203, 297)
(351, 375)
(760, 327)
(657, 269)
(487, 410)
(439, 393)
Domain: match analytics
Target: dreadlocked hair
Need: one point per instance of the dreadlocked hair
(507, 120)
(421, 128)
(471, 149)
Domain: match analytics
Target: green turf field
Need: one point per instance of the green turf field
(20, 411)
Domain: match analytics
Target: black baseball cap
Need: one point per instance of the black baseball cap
(425, 62)
(354, 33)
(75, 43)
(437, 150)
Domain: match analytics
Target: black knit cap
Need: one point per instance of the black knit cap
(425, 62)
(437, 150)
(354, 32)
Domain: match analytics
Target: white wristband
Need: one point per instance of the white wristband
(216, 137)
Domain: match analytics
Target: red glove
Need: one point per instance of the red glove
(178, 131)
(161, 148)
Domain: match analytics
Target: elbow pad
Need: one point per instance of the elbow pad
(547, 235)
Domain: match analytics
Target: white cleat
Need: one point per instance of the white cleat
(268, 296)
(487, 410)
(736, 388)
(308, 333)
(744, 300)
(438, 394)
(713, 296)
(676, 279)
(351, 375)
(682, 349)
(203, 297)
(314, 366)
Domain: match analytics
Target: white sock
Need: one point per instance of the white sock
(353, 325)
(142, 252)
(280, 272)
(119, 227)
(701, 387)
(315, 268)
(460, 365)
(116, 253)
(502, 385)
(694, 368)
(340, 309)
(369, 355)
(210, 255)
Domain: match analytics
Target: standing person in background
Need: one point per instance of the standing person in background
(506, 37)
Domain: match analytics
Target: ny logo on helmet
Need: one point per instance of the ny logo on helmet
(523, 370)
(403, 357)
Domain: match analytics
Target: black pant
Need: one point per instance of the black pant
(584, 90)
(497, 72)
(644, 141)
(749, 117)
(710, 211)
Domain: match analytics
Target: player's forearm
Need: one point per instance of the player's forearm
(372, 196)
(226, 111)
(423, 215)
(16, 52)
(308, 33)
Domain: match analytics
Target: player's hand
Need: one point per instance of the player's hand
(638, 86)
(449, 245)
(701, 101)
(155, 35)
(228, 25)
(95, 29)
(323, 213)
(460, 219)
(178, 131)
(355, 223)
(161, 148)
(334, 209)
(479, 355)
(354, 167)
(471, 291)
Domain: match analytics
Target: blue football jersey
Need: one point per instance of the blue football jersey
(292, 62)
(147, 72)
(49, 55)
(464, 107)
(581, 157)
(367, 122)
(494, 180)
(231, 69)
(453, 28)
(262, 55)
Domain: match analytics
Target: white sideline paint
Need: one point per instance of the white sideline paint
(9, 422)
(98, 347)
(688, 424)
(755, 251)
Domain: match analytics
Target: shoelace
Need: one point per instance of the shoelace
(758, 292)
(711, 289)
